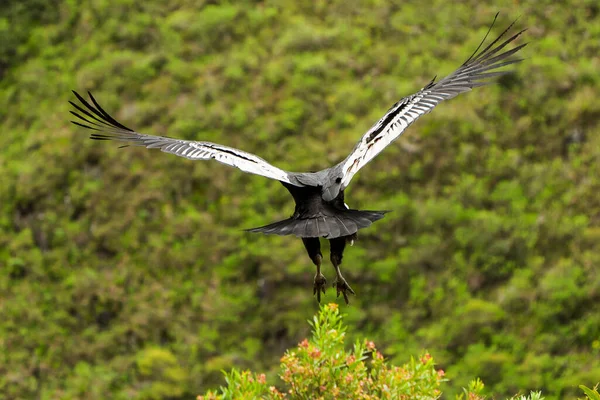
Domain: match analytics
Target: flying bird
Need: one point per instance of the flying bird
(320, 210)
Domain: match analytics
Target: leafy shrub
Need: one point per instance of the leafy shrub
(322, 368)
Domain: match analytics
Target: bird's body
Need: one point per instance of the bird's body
(316, 217)
(320, 208)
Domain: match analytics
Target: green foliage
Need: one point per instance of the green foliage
(322, 368)
(591, 394)
(165, 377)
(532, 396)
(124, 273)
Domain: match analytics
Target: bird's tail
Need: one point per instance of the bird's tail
(343, 224)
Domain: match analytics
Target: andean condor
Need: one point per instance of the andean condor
(320, 209)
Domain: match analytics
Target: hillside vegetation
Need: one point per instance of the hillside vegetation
(123, 270)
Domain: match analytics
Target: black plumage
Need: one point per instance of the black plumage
(314, 217)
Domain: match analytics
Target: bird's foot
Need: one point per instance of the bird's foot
(342, 287)
(319, 286)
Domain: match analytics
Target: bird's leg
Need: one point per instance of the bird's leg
(313, 247)
(336, 255)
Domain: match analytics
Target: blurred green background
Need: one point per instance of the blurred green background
(124, 273)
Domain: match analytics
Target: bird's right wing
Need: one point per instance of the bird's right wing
(107, 128)
(478, 70)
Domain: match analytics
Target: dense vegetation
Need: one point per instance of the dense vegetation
(125, 270)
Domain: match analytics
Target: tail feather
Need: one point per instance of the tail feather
(333, 227)
(300, 228)
(348, 224)
(344, 224)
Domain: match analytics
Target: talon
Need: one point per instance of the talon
(343, 288)
(319, 286)
(317, 292)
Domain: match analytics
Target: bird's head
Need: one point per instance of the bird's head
(334, 181)
(332, 189)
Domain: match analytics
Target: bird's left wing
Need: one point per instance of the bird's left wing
(472, 73)
(107, 128)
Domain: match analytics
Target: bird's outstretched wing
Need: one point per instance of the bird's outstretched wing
(476, 71)
(105, 127)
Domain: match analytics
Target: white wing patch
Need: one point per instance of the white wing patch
(247, 162)
(107, 128)
(386, 130)
(473, 73)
